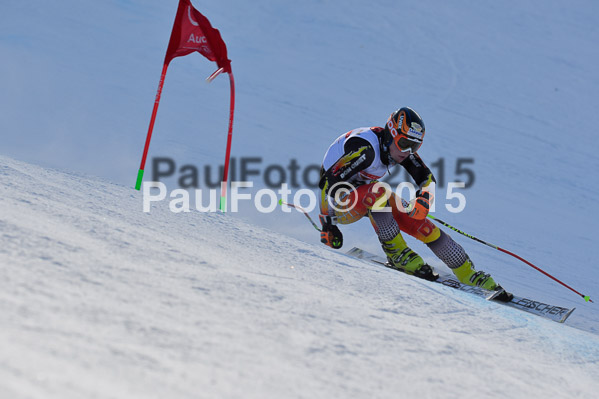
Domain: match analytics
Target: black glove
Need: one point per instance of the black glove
(330, 234)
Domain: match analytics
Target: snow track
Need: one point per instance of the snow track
(98, 299)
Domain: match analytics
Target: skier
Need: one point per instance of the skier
(351, 168)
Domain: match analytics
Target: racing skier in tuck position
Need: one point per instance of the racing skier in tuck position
(354, 163)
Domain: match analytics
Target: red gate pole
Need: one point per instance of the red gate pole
(140, 174)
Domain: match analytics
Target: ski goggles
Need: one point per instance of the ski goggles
(406, 144)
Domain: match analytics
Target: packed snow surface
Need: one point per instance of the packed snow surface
(99, 299)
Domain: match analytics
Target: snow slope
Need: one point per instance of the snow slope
(99, 299)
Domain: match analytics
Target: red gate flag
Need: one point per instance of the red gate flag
(193, 32)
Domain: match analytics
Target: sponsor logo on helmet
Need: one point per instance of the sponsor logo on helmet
(400, 121)
(391, 128)
(402, 124)
(416, 131)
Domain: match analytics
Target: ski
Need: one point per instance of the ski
(555, 313)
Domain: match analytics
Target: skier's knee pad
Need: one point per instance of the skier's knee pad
(449, 251)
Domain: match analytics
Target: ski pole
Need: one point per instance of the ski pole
(299, 208)
(585, 297)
